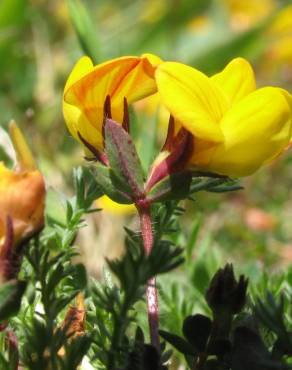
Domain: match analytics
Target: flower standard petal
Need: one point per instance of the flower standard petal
(110, 78)
(192, 99)
(236, 80)
(84, 97)
(139, 82)
(256, 129)
(81, 68)
(75, 120)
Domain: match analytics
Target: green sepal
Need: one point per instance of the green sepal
(10, 298)
(172, 187)
(123, 157)
(110, 184)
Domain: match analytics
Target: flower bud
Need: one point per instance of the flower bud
(225, 293)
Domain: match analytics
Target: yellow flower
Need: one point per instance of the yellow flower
(244, 14)
(22, 193)
(88, 86)
(280, 35)
(236, 129)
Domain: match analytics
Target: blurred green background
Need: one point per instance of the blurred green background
(40, 41)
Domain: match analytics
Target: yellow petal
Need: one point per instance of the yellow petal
(236, 80)
(74, 118)
(288, 98)
(138, 83)
(85, 93)
(192, 99)
(202, 153)
(81, 68)
(108, 79)
(154, 60)
(110, 206)
(24, 156)
(77, 122)
(256, 129)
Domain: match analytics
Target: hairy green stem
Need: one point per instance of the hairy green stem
(151, 292)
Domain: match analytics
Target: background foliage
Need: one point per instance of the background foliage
(40, 40)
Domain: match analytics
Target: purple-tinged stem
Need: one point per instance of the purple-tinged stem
(151, 292)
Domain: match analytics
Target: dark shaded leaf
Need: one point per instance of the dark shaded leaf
(10, 298)
(179, 343)
(197, 329)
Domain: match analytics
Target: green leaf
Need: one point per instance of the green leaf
(13, 353)
(192, 238)
(201, 276)
(170, 24)
(55, 277)
(80, 276)
(250, 352)
(230, 185)
(84, 28)
(109, 183)
(213, 184)
(246, 44)
(179, 343)
(196, 330)
(173, 187)
(10, 298)
(75, 350)
(123, 157)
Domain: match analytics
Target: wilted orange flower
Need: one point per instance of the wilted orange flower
(22, 193)
(74, 321)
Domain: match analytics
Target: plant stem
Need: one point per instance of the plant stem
(151, 292)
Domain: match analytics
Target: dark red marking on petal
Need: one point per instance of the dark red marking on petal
(126, 117)
(107, 113)
(99, 156)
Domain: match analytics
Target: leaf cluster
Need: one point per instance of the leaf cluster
(114, 303)
(232, 339)
(53, 283)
